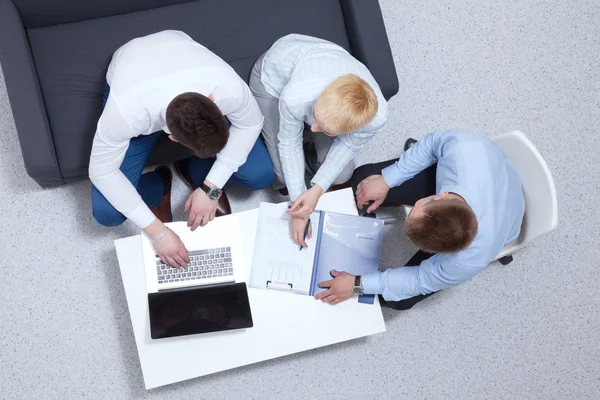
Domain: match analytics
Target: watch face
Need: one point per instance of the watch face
(357, 290)
(215, 193)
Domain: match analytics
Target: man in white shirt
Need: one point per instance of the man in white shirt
(302, 79)
(168, 82)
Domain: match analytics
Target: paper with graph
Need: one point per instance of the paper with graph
(277, 262)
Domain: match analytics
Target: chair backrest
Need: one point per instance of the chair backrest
(541, 209)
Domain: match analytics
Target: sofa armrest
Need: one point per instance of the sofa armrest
(369, 42)
(31, 120)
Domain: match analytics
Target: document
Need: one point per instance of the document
(342, 242)
(278, 262)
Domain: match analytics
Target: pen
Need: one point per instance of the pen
(305, 229)
(305, 232)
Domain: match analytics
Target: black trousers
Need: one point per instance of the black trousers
(421, 185)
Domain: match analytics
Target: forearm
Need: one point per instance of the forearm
(342, 151)
(336, 160)
(292, 164)
(106, 158)
(246, 124)
(420, 156)
(393, 284)
(436, 273)
(155, 229)
(235, 154)
(121, 194)
(291, 153)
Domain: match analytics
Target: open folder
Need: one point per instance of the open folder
(339, 241)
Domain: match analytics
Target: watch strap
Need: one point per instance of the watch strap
(205, 187)
(357, 281)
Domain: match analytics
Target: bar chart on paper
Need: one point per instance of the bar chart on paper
(280, 262)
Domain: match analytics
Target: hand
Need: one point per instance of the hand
(202, 209)
(373, 188)
(306, 203)
(297, 226)
(340, 288)
(171, 250)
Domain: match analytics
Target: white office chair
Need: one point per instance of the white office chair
(541, 209)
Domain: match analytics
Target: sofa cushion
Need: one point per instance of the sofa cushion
(39, 13)
(72, 59)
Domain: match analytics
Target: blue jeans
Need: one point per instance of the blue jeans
(256, 173)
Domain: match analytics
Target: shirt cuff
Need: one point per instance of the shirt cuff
(219, 174)
(370, 283)
(142, 216)
(322, 181)
(391, 176)
(296, 192)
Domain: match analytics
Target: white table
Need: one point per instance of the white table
(284, 323)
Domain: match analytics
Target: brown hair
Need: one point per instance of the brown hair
(446, 226)
(197, 123)
(348, 103)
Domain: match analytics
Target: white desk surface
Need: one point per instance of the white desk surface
(284, 323)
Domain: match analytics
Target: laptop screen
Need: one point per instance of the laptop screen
(199, 310)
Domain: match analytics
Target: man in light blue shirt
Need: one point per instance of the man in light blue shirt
(468, 204)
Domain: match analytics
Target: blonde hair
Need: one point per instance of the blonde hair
(348, 103)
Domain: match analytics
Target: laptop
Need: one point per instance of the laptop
(201, 298)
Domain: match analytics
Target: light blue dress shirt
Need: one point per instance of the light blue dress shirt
(471, 166)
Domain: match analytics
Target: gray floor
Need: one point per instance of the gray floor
(526, 331)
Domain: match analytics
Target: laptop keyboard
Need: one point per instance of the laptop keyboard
(204, 264)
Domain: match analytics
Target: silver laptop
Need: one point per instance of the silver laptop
(213, 263)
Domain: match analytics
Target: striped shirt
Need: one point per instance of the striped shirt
(296, 69)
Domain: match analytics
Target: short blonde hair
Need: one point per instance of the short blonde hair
(348, 103)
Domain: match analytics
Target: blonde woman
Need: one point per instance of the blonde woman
(302, 79)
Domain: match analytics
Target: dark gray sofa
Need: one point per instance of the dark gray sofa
(54, 55)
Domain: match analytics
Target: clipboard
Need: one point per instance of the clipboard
(340, 241)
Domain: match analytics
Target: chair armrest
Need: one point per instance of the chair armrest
(31, 120)
(369, 42)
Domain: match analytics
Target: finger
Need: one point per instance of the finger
(205, 219)
(171, 262)
(301, 240)
(163, 259)
(310, 230)
(188, 203)
(298, 210)
(212, 216)
(296, 235)
(359, 189)
(191, 218)
(303, 213)
(330, 298)
(183, 253)
(360, 201)
(196, 221)
(325, 284)
(324, 294)
(179, 260)
(336, 301)
(296, 204)
(374, 206)
(335, 273)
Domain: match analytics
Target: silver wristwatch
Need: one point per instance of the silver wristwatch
(213, 193)
(357, 289)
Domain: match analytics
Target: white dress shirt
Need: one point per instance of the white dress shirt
(296, 70)
(144, 76)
